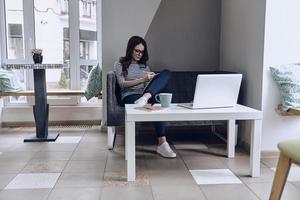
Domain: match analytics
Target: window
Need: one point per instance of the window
(47, 17)
(85, 8)
(47, 25)
(64, 6)
(15, 41)
(66, 50)
(14, 29)
(88, 33)
(84, 50)
(88, 43)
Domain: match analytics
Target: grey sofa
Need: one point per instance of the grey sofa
(182, 85)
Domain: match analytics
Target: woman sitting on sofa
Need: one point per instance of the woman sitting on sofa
(139, 85)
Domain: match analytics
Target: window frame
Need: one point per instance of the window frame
(74, 44)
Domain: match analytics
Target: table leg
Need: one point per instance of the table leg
(130, 136)
(126, 142)
(256, 128)
(230, 138)
(40, 109)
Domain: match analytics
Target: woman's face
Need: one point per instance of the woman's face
(138, 52)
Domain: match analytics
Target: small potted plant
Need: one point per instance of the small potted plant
(37, 56)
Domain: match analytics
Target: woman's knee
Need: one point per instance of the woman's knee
(166, 72)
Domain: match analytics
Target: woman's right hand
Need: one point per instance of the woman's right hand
(149, 76)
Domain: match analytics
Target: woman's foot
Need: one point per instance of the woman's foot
(165, 151)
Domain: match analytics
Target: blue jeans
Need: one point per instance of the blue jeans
(157, 85)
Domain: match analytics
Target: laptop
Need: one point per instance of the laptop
(215, 91)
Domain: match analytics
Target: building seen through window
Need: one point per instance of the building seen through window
(15, 41)
(14, 29)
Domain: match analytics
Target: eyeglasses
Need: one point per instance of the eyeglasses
(138, 51)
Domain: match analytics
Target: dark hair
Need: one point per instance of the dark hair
(132, 43)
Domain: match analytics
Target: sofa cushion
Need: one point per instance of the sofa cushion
(9, 81)
(94, 83)
(287, 78)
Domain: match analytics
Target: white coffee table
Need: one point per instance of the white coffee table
(176, 113)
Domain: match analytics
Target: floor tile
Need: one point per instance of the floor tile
(266, 175)
(58, 147)
(44, 166)
(68, 139)
(96, 167)
(5, 179)
(116, 165)
(156, 162)
(228, 192)
(171, 177)
(92, 146)
(33, 181)
(177, 192)
(294, 174)
(239, 165)
(89, 171)
(16, 156)
(11, 166)
(89, 155)
(211, 150)
(75, 194)
(72, 132)
(23, 147)
(221, 149)
(297, 184)
(263, 190)
(12, 139)
(4, 146)
(94, 138)
(211, 162)
(52, 155)
(79, 180)
(127, 193)
(189, 145)
(24, 194)
(120, 179)
(270, 162)
(214, 176)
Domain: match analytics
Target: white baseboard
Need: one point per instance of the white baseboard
(56, 113)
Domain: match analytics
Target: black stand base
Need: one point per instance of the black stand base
(51, 138)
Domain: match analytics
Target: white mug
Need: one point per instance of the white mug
(164, 99)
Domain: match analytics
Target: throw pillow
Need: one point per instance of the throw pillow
(287, 78)
(94, 83)
(9, 81)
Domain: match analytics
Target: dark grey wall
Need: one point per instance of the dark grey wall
(120, 20)
(185, 35)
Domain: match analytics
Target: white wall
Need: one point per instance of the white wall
(282, 46)
(242, 43)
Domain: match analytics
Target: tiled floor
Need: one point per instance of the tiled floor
(79, 167)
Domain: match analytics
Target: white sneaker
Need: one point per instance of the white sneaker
(141, 101)
(165, 151)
